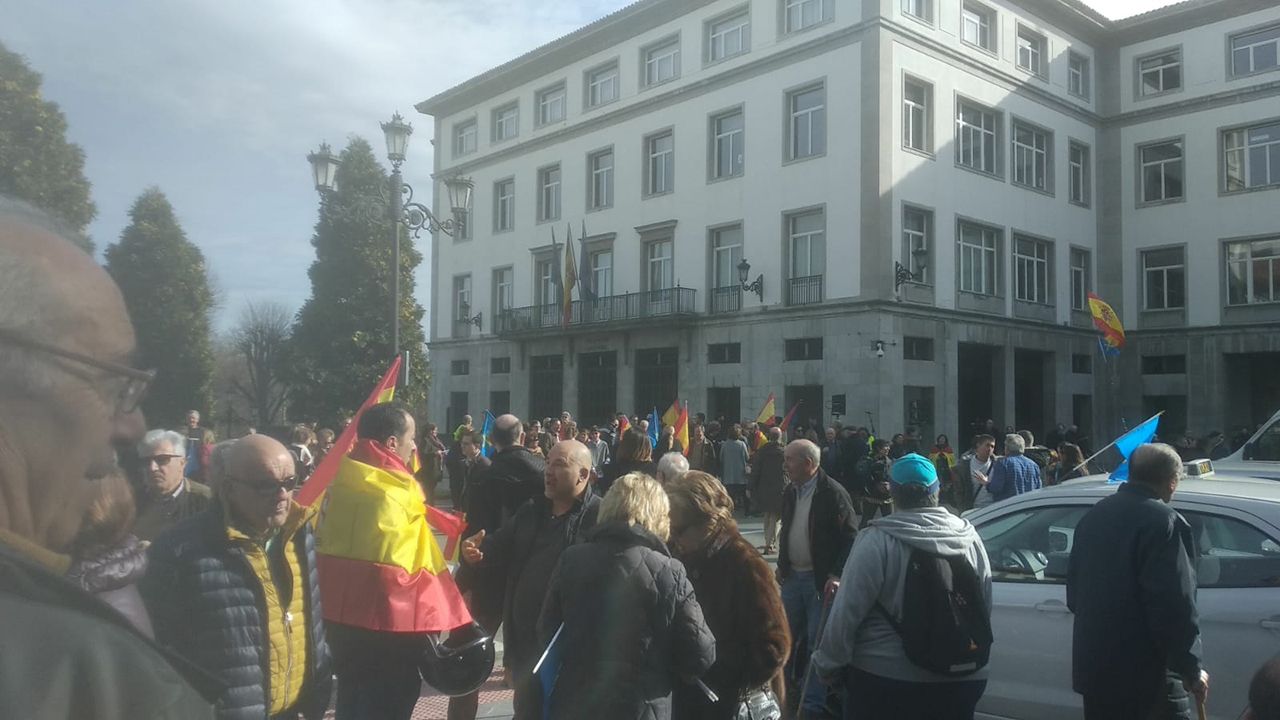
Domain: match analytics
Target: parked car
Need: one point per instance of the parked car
(1236, 524)
(1259, 457)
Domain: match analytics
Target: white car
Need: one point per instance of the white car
(1259, 457)
(1236, 523)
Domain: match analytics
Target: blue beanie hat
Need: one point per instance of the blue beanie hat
(913, 469)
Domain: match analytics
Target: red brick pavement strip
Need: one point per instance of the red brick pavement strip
(495, 701)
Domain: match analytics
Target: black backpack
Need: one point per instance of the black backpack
(945, 625)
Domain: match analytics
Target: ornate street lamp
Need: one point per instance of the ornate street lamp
(756, 286)
(324, 169)
(464, 310)
(903, 275)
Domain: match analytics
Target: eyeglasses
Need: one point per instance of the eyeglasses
(133, 382)
(271, 487)
(159, 460)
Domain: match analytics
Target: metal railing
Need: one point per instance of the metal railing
(804, 290)
(726, 299)
(668, 302)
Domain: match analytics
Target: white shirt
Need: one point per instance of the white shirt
(798, 535)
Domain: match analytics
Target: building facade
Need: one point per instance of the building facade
(1012, 156)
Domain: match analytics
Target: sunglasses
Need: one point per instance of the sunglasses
(159, 460)
(270, 488)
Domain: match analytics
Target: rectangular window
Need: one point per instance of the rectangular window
(602, 272)
(1082, 364)
(549, 193)
(919, 9)
(461, 298)
(503, 289)
(661, 62)
(464, 138)
(506, 122)
(551, 104)
(1079, 173)
(547, 282)
(600, 184)
(504, 205)
(1160, 73)
(1078, 77)
(724, 353)
(1080, 279)
(917, 348)
(808, 244)
(804, 348)
(500, 366)
(808, 125)
(978, 132)
(801, 14)
(1164, 364)
(917, 240)
(1255, 51)
(1032, 51)
(661, 270)
(1031, 269)
(976, 23)
(1163, 279)
(660, 163)
(460, 367)
(1161, 165)
(979, 250)
(727, 145)
(917, 115)
(602, 85)
(1251, 157)
(1253, 272)
(728, 36)
(726, 253)
(1031, 156)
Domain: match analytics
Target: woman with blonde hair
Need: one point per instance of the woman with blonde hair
(739, 597)
(629, 627)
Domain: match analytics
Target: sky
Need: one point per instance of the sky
(218, 102)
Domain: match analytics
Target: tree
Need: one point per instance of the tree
(259, 344)
(166, 288)
(37, 164)
(341, 340)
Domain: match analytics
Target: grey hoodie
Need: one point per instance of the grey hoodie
(857, 634)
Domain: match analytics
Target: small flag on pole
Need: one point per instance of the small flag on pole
(1130, 441)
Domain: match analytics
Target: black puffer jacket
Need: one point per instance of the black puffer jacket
(632, 627)
(112, 574)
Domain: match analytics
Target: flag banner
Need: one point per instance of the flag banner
(547, 669)
(570, 279)
(313, 489)
(759, 441)
(380, 567)
(1105, 319)
(1107, 350)
(486, 447)
(767, 412)
(655, 427)
(586, 283)
(1130, 441)
(672, 414)
(624, 424)
(682, 429)
(786, 421)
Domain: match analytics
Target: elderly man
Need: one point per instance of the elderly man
(1131, 582)
(67, 394)
(817, 531)
(702, 452)
(1015, 473)
(168, 497)
(525, 551)
(671, 466)
(235, 589)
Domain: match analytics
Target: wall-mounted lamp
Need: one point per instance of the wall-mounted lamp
(756, 286)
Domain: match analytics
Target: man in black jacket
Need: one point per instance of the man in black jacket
(1131, 583)
(817, 531)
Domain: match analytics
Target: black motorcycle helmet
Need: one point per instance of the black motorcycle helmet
(460, 663)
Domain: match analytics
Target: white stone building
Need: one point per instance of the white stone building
(1015, 154)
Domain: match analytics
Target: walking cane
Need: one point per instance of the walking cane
(822, 626)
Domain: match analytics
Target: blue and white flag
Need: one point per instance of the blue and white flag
(655, 427)
(1129, 442)
(487, 447)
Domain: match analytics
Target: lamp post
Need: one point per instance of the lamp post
(756, 286)
(903, 275)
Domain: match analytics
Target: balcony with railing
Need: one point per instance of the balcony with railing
(725, 300)
(637, 308)
(805, 290)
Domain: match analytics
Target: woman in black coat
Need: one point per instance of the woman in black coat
(635, 455)
(632, 629)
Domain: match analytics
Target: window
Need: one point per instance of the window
(1253, 272)
(979, 248)
(464, 138)
(1161, 171)
(808, 245)
(460, 367)
(728, 36)
(1251, 157)
(1082, 363)
(600, 184)
(976, 21)
(727, 145)
(724, 353)
(1255, 51)
(504, 205)
(506, 122)
(1032, 52)
(602, 85)
(1031, 269)
(917, 120)
(1163, 279)
(461, 299)
(1080, 279)
(1031, 156)
(549, 193)
(917, 240)
(463, 222)
(547, 282)
(661, 62)
(917, 348)
(1031, 546)
(602, 272)
(661, 271)
(551, 104)
(1079, 173)
(804, 349)
(726, 253)
(1160, 73)
(919, 9)
(660, 163)
(1078, 75)
(808, 126)
(1164, 364)
(1232, 553)
(500, 366)
(503, 289)
(801, 14)
(978, 129)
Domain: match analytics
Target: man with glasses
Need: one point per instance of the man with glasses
(68, 398)
(235, 589)
(168, 497)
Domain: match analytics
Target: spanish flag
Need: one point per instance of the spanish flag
(672, 414)
(380, 567)
(682, 429)
(1105, 319)
(570, 280)
(624, 425)
(768, 412)
(786, 421)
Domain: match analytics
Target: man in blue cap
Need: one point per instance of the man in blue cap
(878, 641)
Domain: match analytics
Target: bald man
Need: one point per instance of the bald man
(234, 589)
(525, 551)
(69, 396)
